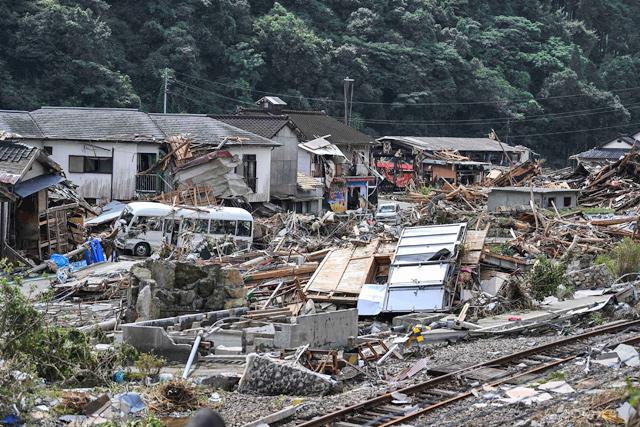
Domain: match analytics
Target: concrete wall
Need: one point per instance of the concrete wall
(263, 169)
(99, 185)
(284, 163)
(519, 198)
(322, 330)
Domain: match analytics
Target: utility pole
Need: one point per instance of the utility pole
(348, 100)
(166, 84)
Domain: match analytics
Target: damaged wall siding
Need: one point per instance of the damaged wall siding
(98, 185)
(304, 162)
(284, 161)
(263, 169)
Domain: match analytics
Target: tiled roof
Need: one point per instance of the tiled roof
(14, 159)
(203, 129)
(313, 124)
(440, 143)
(263, 125)
(18, 123)
(110, 124)
(602, 154)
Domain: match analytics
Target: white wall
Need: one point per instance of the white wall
(617, 143)
(99, 185)
(263, 169)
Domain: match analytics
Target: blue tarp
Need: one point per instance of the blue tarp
(33, 185)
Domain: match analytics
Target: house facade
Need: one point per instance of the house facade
(608, 152)
(102, 150)
(109, 152)
(299, 176)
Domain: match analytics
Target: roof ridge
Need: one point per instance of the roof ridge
(316, 113)
(53, 107)
(14, 111)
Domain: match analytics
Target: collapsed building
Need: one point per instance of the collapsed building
(40, 211)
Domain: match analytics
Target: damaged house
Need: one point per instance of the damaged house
(100, 149)
(608, 152)
(40, 213)
(338, 172)
(214, 147)
(460, 160)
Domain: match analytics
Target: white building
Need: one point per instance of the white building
(253, 150)
(100, 149)
(103, 150)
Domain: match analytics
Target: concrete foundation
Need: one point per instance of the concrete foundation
(321, 330)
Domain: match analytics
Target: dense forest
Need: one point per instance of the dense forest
(557, 75)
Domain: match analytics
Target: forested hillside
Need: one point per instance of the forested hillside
(558, 76)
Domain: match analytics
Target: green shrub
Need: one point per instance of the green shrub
(425, 191)
(544, 278)
(623, 259)
(149, 365)
(53, 353)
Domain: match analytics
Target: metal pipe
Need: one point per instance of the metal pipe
(192, 356)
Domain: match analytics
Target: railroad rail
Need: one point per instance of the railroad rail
(451, 387)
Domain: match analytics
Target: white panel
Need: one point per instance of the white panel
(418, 274)
(407, 299)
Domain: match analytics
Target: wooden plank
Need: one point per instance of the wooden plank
(473, 245)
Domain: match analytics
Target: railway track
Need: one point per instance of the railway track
(453, 386)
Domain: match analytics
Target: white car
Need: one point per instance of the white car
(388, 212)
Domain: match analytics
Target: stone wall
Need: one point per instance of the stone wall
(272, 377)
(594, 277)
(161, 288)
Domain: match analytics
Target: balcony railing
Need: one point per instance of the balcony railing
(148, 183)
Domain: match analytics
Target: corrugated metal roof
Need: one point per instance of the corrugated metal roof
(203, 129)
(33, 185)
(440, 143)
(321, 147)
(18, 124)
(111, 124)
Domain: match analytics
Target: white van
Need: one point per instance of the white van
(141, 227)
(196, 224)
(146, 225)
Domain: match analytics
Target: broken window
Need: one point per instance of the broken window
(551, 201)
(567, 202)
(48, 150)
(83, 164)
(249, 170)
(244, 228)
(145, 161)
(202, 226)
(229, 227)
(216, 227)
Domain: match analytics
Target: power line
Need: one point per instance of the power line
(405, 104)
(211, 93)
(575, 131)
(477, 122)
(404, 123)
(462, 122)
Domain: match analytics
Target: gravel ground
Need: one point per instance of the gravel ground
(600, 389)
